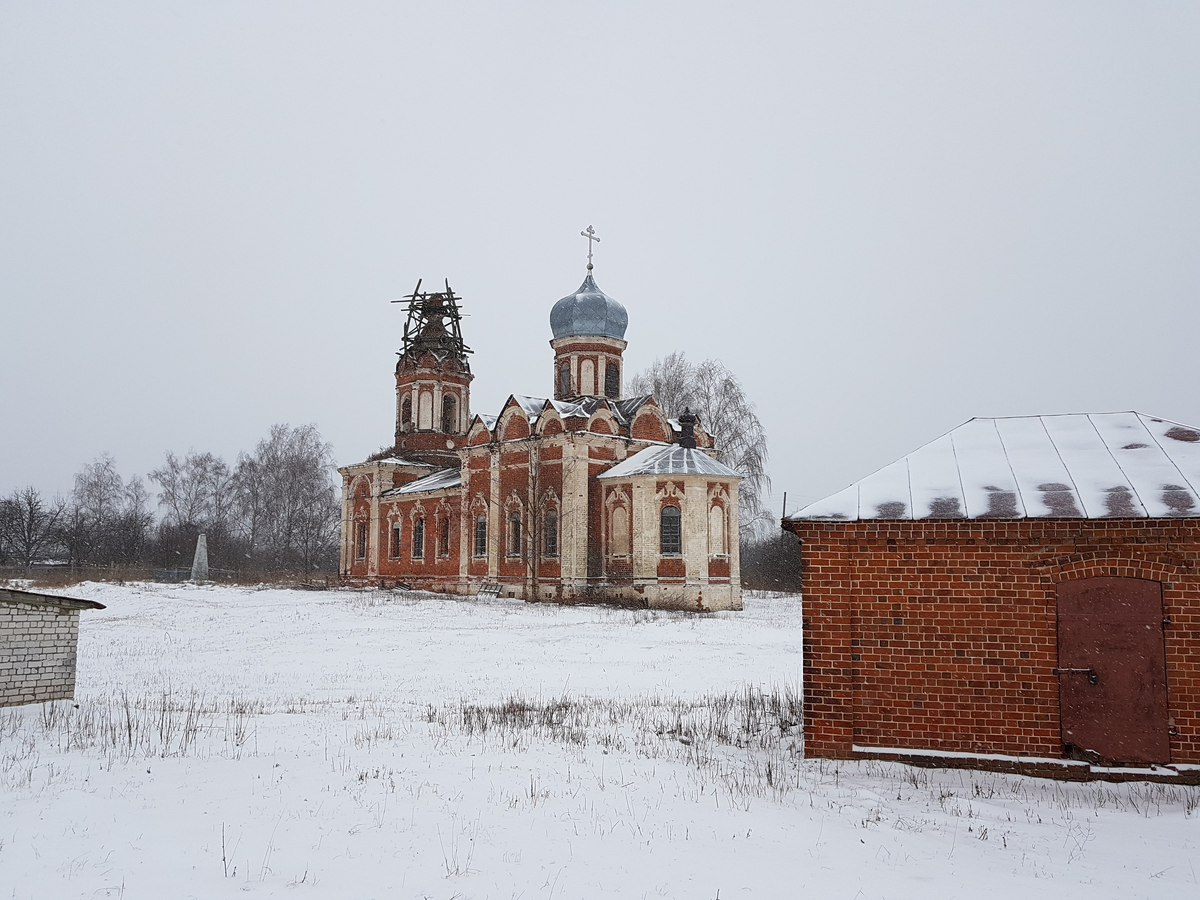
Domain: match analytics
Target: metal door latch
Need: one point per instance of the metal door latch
(1092, 677)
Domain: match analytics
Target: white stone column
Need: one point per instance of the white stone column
(466, 526)
(373, 532)
(735, 551)
(573, 517)
(347, 537)
(495, 534)
(645, 530)
(695, 528)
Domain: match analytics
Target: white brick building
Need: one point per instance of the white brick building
(39, 636)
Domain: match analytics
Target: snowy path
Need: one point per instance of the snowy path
(329, 755)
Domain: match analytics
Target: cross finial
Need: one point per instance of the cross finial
(590, 234)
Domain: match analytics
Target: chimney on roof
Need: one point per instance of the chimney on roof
(687, 428)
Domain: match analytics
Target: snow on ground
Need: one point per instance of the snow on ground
(230, 741)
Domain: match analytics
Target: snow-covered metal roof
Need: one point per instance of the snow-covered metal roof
(1079, 466)
(669, 459)
(566, 408)
(399, 460)
(438, 481)
(626, 409)
(532, 406)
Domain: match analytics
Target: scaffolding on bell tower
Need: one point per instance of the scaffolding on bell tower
(434, 323)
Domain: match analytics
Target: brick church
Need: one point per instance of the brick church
(585, 495)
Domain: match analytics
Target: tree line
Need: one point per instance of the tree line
(276, 509)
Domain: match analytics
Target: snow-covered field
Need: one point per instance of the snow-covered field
(364, 744)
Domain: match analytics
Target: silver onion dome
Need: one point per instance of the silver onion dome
(588, 311)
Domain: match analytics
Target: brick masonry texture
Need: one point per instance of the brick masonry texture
(37, 653)
(942, 635)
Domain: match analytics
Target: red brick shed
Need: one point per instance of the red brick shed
(1021, 592)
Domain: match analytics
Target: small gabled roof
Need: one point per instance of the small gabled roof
(626, 409)
(1077, 466)
(532, 406)
(669, 459)
(398, 460)
(438, 481)
(37, 598)
(566, 408)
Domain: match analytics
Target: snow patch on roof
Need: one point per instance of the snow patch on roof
(438, 481)
(669, 459)
(1077, 466)
(567, 408)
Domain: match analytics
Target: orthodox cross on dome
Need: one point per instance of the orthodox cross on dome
(590, 234)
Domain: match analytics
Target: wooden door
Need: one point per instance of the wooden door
(1112, 671)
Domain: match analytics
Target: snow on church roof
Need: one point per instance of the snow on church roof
(438, 481)
(669, 459)
(1069, 466)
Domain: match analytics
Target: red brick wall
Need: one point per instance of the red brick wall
(435, 569)
(943, 635)
(647, 427)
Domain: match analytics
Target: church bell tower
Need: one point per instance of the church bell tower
(589, 340)
(433, 378)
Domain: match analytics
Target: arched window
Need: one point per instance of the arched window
(564, 379)
(550, 533)
(481, 535)
(444, 537)
(587, 378)
(716, 531)
(618, 544)
(418, 548)
(449, 414)
(514, 533)
(394, 543)
(360, 540)
(406, 411)
(671, 538)
(612, 381)
(425, 411)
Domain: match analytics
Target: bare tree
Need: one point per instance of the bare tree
(29, 525)
(109, 519)
(195, 490)
(714, 393)
(287, 501)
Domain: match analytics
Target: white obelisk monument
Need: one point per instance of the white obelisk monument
(200, 561)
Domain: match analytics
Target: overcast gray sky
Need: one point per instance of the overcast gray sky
(885, 217)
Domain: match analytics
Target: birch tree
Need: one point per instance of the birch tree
(716, 395)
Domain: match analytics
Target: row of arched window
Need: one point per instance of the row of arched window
(479, 545)
(395, 538)
(424, 420)
(670, 532)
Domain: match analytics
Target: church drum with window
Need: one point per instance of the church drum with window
(587, 495)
